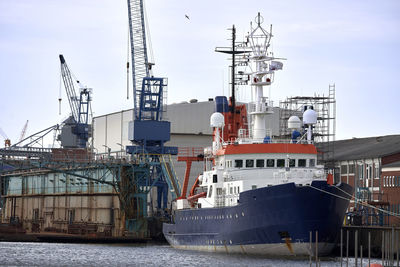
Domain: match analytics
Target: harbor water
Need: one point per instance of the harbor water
(58, 254)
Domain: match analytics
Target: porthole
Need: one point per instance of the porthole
(236, 215)
(230, 242)
(242, 213)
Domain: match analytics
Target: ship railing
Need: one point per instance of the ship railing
(190, 151)
(266, 141)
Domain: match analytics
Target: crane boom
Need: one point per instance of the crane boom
(140, 64)
(69, 88)
(23, 132)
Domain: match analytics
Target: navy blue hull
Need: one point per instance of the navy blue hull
(267, 216)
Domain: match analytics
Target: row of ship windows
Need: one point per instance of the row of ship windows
(391, 181)
(215, 217)
(270, 163)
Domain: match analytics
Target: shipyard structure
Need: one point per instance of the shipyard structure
(117, 176)
(103, 191)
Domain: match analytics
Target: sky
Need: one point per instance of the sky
(352, 44)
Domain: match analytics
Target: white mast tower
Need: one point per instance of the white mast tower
(263, 66)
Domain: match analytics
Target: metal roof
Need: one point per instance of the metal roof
(363, 148)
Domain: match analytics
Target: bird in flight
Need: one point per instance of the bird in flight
(186, 16)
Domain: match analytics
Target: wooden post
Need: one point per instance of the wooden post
(356, 247)
(369, 248)
(347, 249)
(341, 247)
(310, 248)
(316, 247)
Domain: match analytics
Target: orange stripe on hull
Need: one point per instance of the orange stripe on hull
(267, 148)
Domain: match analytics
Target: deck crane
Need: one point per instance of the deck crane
(76, 129)
(148, 132)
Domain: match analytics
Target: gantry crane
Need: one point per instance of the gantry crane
(76, 129)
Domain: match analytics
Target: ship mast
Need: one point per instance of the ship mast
(263, 66)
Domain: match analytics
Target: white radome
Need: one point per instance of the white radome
(217, 120)
(294, 122)
(310, 116)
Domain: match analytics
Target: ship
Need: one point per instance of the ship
(260, 195)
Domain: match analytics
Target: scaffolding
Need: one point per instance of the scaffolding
(325, 129)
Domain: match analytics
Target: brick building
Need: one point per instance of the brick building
(372, 166)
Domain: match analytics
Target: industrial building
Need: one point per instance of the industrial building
(372, 166)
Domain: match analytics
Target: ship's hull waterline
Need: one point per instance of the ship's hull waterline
(275, 220)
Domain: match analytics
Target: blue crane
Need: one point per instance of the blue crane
(148, 132)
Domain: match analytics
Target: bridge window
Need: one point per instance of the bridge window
(312, 163)
(215, 178)
(280, 163)
(260, 163)
(219, 191)
(238, 163)
(292, 163)
(271, 163)
(301, 163)
(249, 163)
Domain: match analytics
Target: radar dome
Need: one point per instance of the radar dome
(294, 122)
(310, 116)
(217, 120)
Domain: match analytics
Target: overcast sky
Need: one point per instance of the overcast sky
(354, 44)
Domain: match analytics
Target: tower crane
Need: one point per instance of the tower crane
(76, 129)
